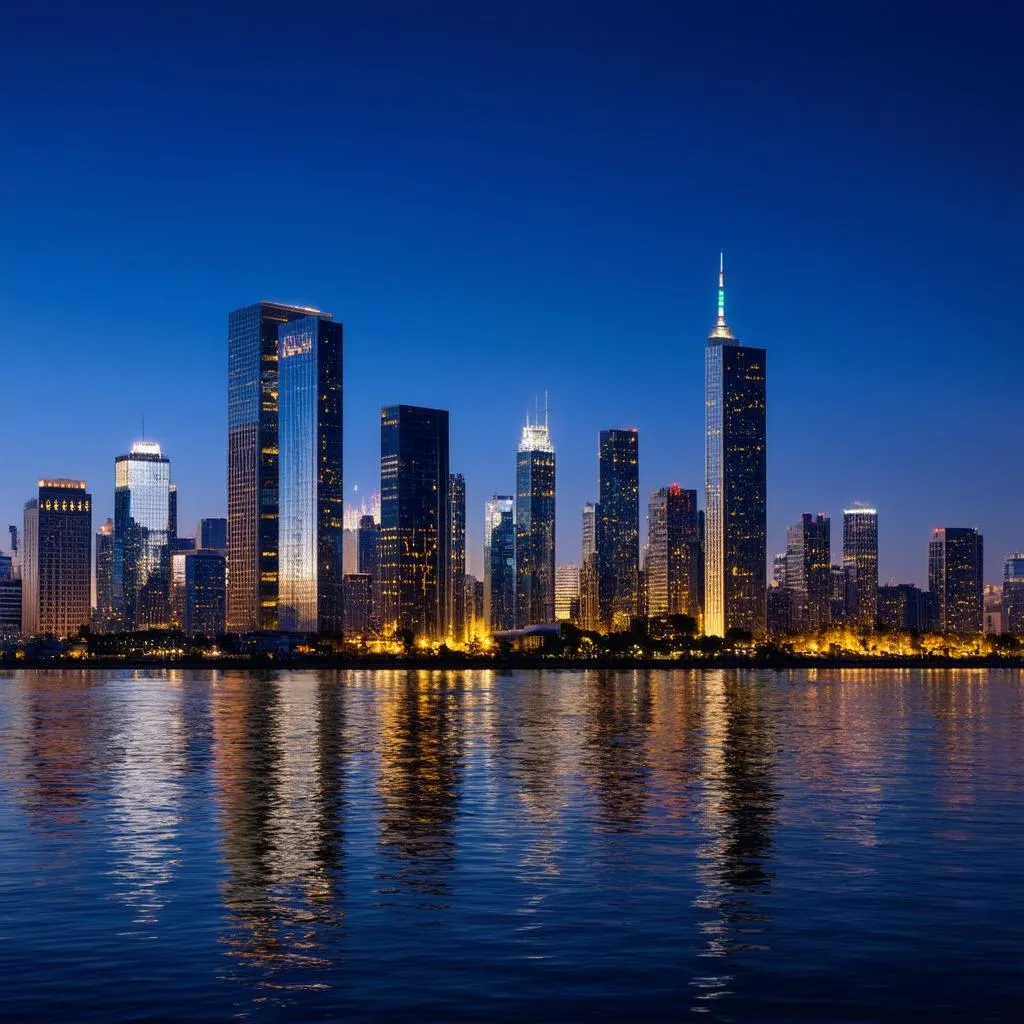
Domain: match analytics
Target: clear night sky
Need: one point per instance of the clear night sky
(498, 199)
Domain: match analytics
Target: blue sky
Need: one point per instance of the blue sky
(499, 200)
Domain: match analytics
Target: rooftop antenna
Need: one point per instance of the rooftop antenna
(545, 409)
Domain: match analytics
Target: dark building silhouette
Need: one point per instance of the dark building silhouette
(253, 461)
(358, 602)
(311, 496)
(368, 550)
(212, 535)
(535, 527)
(673, 552)
(809, 571)
(955, 576)
(618, 528)
(779, 611)
(56, 559)
(736, 481)
(500, 563)
(842, 593)
(1013, 594)
(457, 560)
(10, 608)
(860, 557)
(415, 528)
(205, 602)
(904, 606)
(105, 618)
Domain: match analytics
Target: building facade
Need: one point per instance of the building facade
(809, 571)
(311, 494)
(618, 528)
(369, 561)
(212, 535)
(56, 560)
(673, 553)
(860, 556)
(500, 563)
(105, 620)
(415, 524)
(955, 576)
(457, 559)
(535, 527)
(253, 461)
(205, 593)
(1013, 594)
(142, 538)
(358, 603)
(905, 606)
(567, 593)
(735, 481)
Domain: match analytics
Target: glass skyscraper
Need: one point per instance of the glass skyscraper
(142, 537)
(253, 461)
(105, 619)
(500, 563)
(860, 557)
(735, 481)
(618, 528)
(535, 527)
(205, 597)
(809, 571)
(955, 575)
(311, 493)
(673, 553)
(415, 523)
(457, 561)
(56, 556)
(1013, 593)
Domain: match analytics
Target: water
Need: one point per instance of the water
(840, 846)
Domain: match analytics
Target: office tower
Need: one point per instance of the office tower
(735, 472)
(253, 461)
(500, 563)
(590, 612)
(212, 535)
(955, 568)
(142, 550)
(358, 602)
(779, 610)
(56, 560)
(311, 496)
(457, 558)
(860, 555)
(177, 588)
(779, 569)
(415, 534)
(842, 592)
(368, 540)
(673, 552)
(205, 603)
(6, 567)
(105, 619)
(1013, 594)
(618, 528)
(809, 571)
(172, 517)
(567, 592)
(476, 624)
(10, 608)
(904, 606)
(535, 526)
(992, 604)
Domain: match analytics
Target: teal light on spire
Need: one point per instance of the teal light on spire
(721, 328)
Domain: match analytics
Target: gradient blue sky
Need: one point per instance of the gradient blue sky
(503, 199)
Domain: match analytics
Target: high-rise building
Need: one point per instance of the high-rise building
(6, 567)
(736, 481)
(311, 493)
(10, 608)
(500, 563)
(842, 592)
(172, 517)
(992, 602)
(205, 593)
(955, 574)
(57, 560)
(369, 559)
(904, 606)
(779, 610)
(253, 461)
(415, 525)
(212, 535)
(779, 569)
(476, 625)
(860, 555)
(618, 528)
(673, 553)
(142, 548)
(177, 588)
(105, 619)
(1013, 593)
(457, 558)
(590, 610)
(535, 526)
(567, 592)
(358, 602)
(809, 571)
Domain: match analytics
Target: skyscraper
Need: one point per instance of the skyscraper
(457, 559)
(253, 461)
(358, 602)
(212, 535)
(736, 484)
(535, 526)
(860, 556)
(56, 559)
(590, 612)
(311, 491)
(618, 527)
(809, 571)
(142, 549)
(955, 574)
(500, 563)
(567, 592)
(105, 619)
(1013, 593)
(205, 599)
(673, 552)
(368, 537)
(415, 527)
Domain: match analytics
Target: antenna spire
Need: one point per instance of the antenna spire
(721, 328)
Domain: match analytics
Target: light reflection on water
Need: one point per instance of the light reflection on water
(824, 845)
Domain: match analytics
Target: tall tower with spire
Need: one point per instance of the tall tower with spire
(735, 577)
(535, 524)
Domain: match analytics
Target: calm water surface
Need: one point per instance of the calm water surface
(837, 846)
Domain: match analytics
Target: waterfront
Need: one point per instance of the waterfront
(831, 845)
